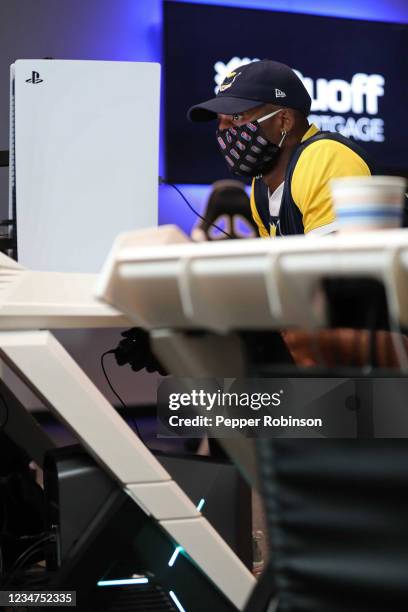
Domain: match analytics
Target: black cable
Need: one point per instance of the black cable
(162, 181)
(114, 390)
(34, 536)
(107, 377)
(19, 562)
(27, 556)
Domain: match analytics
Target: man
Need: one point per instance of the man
(263, 133)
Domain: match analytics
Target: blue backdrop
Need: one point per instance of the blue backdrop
(146, 15)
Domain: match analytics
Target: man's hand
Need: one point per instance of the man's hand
(341, 347)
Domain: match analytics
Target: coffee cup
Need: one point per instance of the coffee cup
(368, 203)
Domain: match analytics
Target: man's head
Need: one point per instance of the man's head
(252, 85)
(261, 107)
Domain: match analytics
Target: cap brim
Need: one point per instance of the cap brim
(225, 105)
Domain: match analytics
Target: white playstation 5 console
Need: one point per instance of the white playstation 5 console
(84, 139)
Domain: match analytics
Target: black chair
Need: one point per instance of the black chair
(337, 513)
(229, 203)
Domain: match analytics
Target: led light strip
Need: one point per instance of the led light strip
(178, 549)
(176, 601)
(141, 580)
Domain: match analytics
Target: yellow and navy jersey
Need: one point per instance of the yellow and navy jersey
(306, 204)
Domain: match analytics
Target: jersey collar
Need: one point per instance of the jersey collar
(310, 132)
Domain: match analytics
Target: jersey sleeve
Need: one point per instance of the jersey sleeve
(263, 232)
(318, 164)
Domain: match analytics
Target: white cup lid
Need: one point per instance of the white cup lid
(369, 181)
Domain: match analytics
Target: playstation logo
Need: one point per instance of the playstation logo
(35, 78)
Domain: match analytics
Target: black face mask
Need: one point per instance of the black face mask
(246, 151)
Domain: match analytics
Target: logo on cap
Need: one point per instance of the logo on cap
(230, 78)
(223, 70)
(279, 93)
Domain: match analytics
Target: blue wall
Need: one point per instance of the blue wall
(376, 10)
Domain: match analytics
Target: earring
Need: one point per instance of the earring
(283, 134)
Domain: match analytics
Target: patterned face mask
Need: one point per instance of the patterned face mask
(246, 151)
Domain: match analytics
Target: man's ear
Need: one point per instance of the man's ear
(287, 120)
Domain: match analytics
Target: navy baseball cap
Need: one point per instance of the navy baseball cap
(251, 85)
